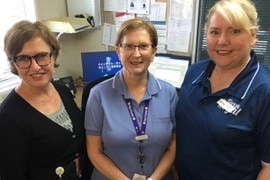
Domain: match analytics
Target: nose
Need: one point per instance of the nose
(34, 63)
(136, 52)
(223, 39)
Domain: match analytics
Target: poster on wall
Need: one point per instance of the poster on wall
(179, 25)
(115, 5)
(138, 6)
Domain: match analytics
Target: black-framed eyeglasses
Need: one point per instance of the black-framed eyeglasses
(25, 61)
(132, 47)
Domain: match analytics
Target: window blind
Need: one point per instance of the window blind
(12, 11)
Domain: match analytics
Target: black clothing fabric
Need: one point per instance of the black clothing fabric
(33, 146)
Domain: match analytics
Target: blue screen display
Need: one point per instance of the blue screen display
(99, 64)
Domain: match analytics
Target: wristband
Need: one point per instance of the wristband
(149, 178)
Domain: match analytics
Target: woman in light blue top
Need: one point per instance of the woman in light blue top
(129, 118)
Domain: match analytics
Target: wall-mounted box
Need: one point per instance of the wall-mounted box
(90, 8)
(67, 24)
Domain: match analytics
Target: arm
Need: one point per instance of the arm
(13, 150)
(264, 174)
(166, 162)
(101, 162)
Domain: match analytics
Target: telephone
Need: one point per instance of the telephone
(68, 82)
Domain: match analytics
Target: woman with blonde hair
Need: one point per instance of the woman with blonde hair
(223, 113)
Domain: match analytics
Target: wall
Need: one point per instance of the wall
(72, 44)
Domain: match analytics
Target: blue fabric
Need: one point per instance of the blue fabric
(107, 116)
(215, 144)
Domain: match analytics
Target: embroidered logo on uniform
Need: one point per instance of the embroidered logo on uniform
(229, 106)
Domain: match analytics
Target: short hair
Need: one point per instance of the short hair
(23, 31)
(134, 24)
(240, 12)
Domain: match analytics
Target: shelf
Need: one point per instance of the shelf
(67, 24)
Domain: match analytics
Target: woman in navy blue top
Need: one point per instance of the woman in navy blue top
(223, 113)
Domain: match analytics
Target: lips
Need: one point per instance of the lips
(223, 52)
(136, 62)
(37, 74)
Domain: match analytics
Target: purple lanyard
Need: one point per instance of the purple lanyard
(139, 131)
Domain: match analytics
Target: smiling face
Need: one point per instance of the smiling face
(35, 76)
(136, 61)
(227, 45)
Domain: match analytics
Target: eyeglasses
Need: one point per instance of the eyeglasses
(132, 47)
(25, 61)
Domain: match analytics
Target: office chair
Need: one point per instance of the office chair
(88, 87)
(86, 90)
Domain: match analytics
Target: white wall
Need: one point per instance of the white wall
(72, 44)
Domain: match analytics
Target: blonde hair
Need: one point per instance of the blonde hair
(241, 13)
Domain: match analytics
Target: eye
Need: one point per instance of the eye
(213, 32)
(144, 46)
(22, 58)
(235, 31)
(42, 56)
(130, 46)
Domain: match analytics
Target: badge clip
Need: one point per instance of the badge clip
(141, 137)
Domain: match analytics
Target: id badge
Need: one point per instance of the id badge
(138, 177)
(141, 137)
(225, 105)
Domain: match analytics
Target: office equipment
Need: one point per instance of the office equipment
(170, 68)
(99, 64)
(68, 82)
(90, 7)
(67, 24)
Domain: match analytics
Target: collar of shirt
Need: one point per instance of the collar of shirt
(241, 84)
(153, 85)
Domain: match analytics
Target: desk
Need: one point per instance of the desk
(78, 96)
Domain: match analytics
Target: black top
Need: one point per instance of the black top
(33, 146)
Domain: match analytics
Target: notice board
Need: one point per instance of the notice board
(174, 20)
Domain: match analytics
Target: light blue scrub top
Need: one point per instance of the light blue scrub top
(107, 116)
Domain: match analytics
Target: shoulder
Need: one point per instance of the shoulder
(102, 85)
(102, 89)
(166, 85)
(264, 72)
(161, 87)
(199, 66)
(262, 80)
(262, 76)
(9, 102)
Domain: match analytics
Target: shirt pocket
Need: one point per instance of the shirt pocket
(162, 130)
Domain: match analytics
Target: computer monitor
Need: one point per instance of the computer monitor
(170, 68)
(99, 64)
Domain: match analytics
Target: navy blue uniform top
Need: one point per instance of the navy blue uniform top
(218, 142)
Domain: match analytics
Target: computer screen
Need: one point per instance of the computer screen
(99, 64)
(170, 68)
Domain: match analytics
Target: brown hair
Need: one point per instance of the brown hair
(23, 31)
(134, 24)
